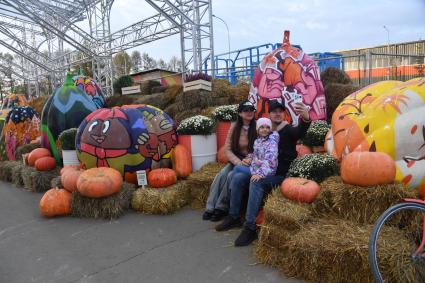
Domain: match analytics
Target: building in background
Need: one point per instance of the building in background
(165, 77)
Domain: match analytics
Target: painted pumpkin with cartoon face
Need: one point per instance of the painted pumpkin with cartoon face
(127, 138)
(66, 109)
(288, 75)
(388, 117)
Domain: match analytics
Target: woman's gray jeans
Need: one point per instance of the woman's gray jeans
(218, 196)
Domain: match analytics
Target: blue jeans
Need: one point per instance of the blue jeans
(239, 184)
(241, 169)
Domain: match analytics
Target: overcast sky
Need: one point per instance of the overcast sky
(316, 25)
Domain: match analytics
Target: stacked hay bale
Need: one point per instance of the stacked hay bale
(7, 168)
(327, 241)
(24, 149)
(37, 181)
(161, 201)
(109, 207)
(199, 182)
(337, 85)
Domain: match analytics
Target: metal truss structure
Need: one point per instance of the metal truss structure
(30, 27)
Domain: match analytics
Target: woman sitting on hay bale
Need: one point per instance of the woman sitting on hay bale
(240, 182)
(239, 142)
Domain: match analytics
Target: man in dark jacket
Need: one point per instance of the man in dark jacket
(240, 182)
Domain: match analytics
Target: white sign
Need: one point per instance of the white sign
(141, 178)
(131, 90)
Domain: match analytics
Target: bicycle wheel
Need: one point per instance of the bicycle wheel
(395, 238)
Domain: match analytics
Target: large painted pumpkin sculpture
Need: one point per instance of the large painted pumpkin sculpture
(66, 109)
(127, 138)
(285, 74)
(90, 87)
(388, 117)
(21, 127)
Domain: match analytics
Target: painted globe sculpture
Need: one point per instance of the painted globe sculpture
(387, 117)
(289, 75)
(127, 138)
(66, 109)
(91, 88)
(21, 127)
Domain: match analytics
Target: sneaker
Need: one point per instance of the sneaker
(228, 223)
(207, 215)
(218, 215)
(246, 237)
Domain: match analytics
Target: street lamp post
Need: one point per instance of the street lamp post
(388, 50)
(228, 33)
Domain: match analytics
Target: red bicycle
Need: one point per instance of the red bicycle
(396, 245)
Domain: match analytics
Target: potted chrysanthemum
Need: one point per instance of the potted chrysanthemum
(197, 134)
(224, 115)
(67, 142)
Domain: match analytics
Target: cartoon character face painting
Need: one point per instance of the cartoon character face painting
(127, 138)
(284, 74)
(388, 117)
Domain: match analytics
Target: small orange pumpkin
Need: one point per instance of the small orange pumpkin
(36, 154)
(182, 161)
(56, 202)
(303, 150)
(161, 177)
(260, 217)
(69, 167)
(69, 179)
(300, 189)
(368, 168)
(221, 156)
(99, 182)
(45, 163)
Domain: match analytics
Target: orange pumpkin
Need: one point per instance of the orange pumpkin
(36, 154)
(368, 168)
(300, 189)
(302, 150)
(56, 202)
(422, 191)
(99, 182)
(182, 161)
(69, 179)
(161, 177)
(69, 167)
(260, 217)
(221, 156)
(45, 163)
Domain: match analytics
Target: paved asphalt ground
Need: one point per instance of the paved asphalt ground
(133, 248)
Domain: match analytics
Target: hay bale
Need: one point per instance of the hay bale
(199, 183)
(56, 182)
(355, 203)
(335, 94)
(193, 99)
(146, 86)
(282, 212)
(329, 250)
(120, 100)
(37, 181)
(23, 149)
(41, 180)
(275, 236)
(172, 110)
(208, 112)
(108, 207)
(6, 169)
(181, 115)
(159, 100)
(161, 201)
(158, 89)
(16, 177)
(173, 90)
(219, 101)
(221, 88)
(334, 75)
(239, 93)
(38, 103)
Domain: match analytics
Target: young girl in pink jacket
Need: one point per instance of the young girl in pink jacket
(264, 158)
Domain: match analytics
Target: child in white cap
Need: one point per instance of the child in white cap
(264, 157)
